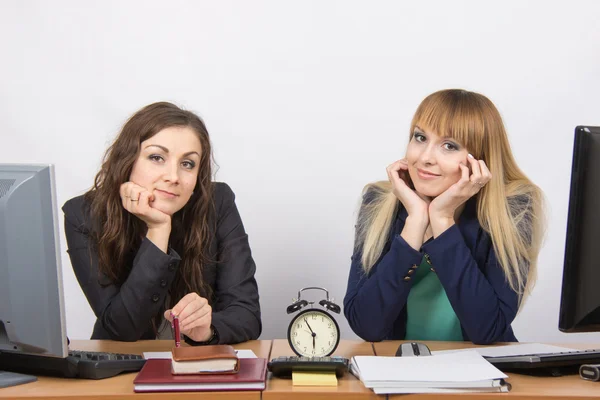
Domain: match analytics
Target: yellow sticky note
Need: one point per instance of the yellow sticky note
(320, 378)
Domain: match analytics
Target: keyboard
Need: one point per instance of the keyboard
(282, 367)
(79, 364)
(546, 360)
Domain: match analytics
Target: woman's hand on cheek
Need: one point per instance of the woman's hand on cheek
(138, 201)
(444, 206)
(195, 317)
(416, 206)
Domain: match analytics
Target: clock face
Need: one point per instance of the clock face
(313, 333)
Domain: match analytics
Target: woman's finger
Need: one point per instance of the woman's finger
(143, 203)
(486, 175)
(475, 169)
(393, 167)
(196, 315)
(181, 304)
(204, 321)
(188, 304)
(192, 308)
(134, 193)
(464, 173)
(124, 191)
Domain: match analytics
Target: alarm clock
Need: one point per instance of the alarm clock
(313, 332)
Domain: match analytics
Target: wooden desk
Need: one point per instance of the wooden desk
(348, 386)
(524, 387)
(121, 386)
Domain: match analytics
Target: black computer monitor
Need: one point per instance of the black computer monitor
(32, 317)
(580, 295)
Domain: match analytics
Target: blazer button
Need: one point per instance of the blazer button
(155, 297)
(406, 278)
(163, 283)
(427, 259)
(172, 266)
(414, 266)
(432, 269)
(410, 271)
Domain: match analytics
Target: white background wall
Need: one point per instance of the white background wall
(306, 102)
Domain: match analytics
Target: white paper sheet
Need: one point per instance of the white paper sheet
(511, 350)
(167, 354)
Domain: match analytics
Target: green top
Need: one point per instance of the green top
(430, 314)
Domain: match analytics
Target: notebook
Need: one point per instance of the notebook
(220, 358)
(457, 372)
(156, 376)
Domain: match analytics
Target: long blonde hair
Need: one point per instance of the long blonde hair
(510, 207)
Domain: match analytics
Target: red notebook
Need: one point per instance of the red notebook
(156, 376)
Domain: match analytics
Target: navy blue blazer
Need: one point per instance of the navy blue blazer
(465, 261)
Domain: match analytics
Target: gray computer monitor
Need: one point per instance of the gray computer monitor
(32, 318)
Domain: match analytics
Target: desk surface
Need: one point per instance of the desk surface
(524, 387)
(348, 387)
(121, 386)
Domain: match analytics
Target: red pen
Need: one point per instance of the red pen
(175, 326)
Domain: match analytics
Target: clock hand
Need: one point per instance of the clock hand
(311, 332)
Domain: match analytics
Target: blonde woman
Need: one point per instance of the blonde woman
(446, 249)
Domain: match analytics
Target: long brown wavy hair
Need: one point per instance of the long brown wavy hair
(117, 234)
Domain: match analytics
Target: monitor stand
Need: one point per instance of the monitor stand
(13, 379)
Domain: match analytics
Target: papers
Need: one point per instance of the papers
(157, 354)
(511, 350)
(464, 366)
(245, 354)
(504, 388)
(167, 354)
(460, 371)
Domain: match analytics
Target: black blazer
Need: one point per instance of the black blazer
(125, 312)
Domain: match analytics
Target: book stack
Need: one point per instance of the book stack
(461, 372)
(206, 368)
